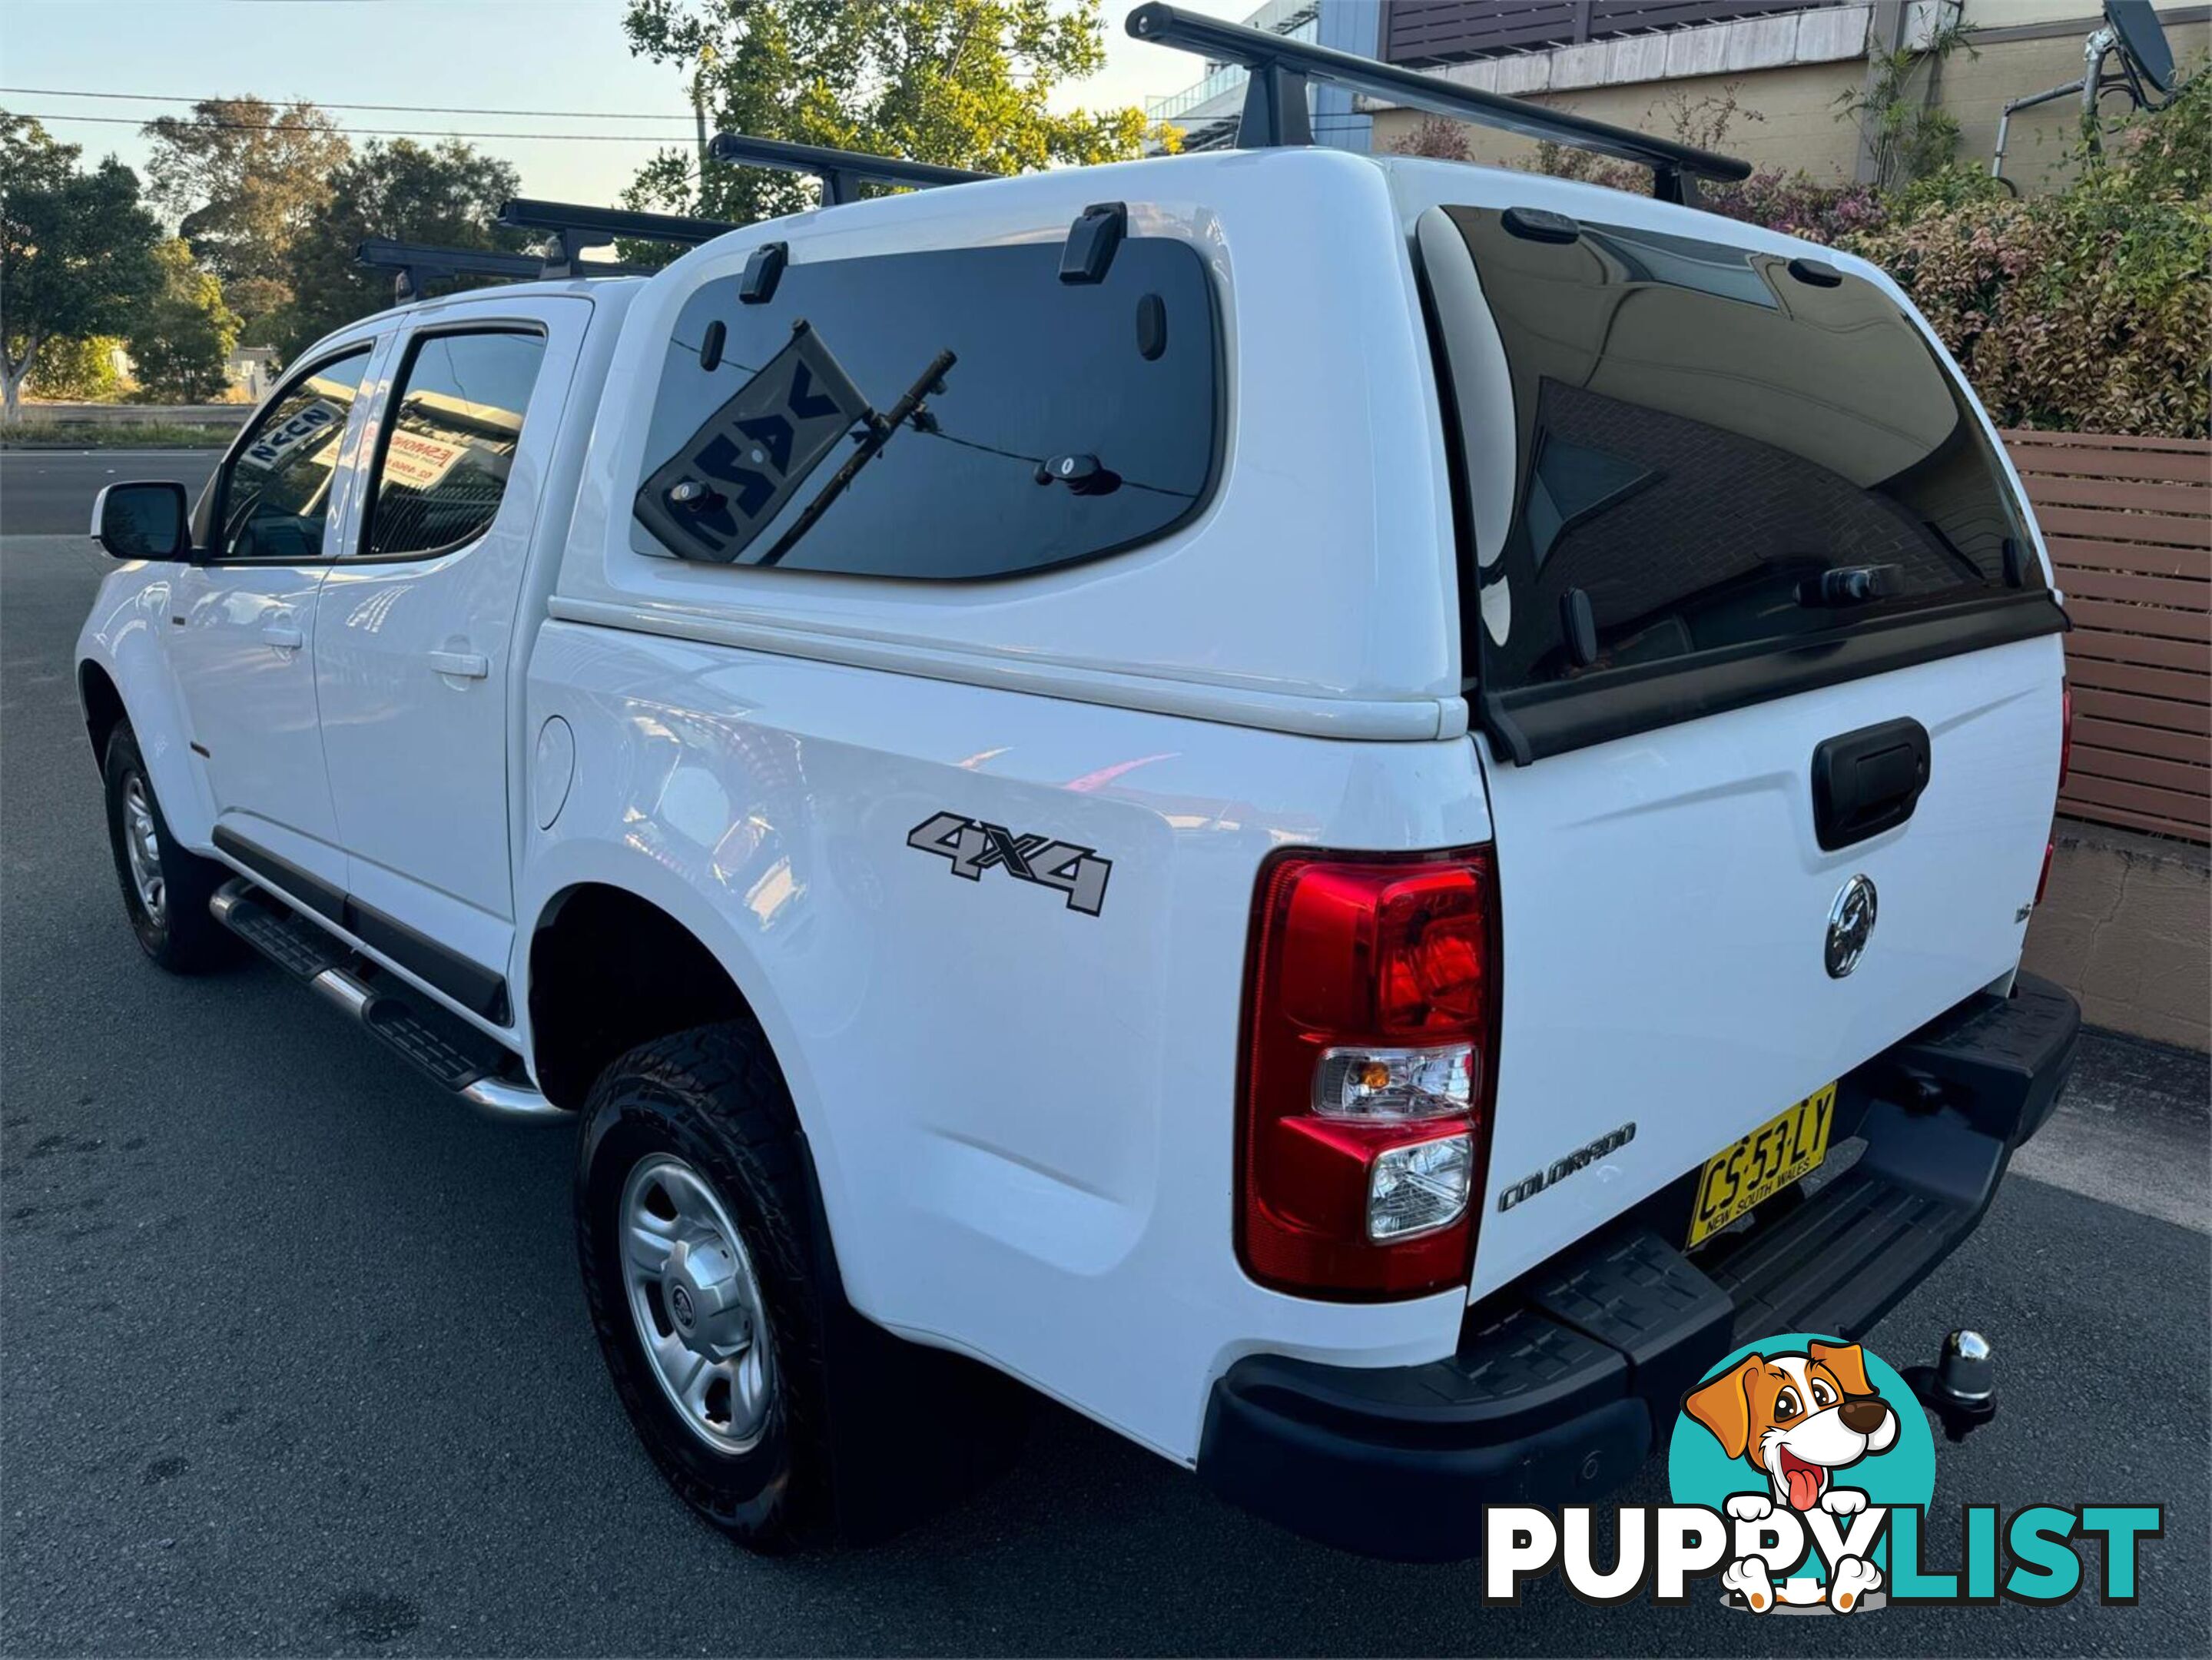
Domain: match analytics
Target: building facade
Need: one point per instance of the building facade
(1789, 69)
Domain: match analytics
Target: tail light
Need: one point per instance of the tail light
(1372, 1012)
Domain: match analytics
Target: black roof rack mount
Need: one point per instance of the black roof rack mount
(1275, 99)
(575, 228)
(416, 266)
(840, 171)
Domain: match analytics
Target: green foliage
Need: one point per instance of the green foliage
(449, 194)
(76, 250)
(961, 82)
(79, 371)
(1911, 138)
(115, 436)
(2090, 308)
(182, 335)
(246, 180)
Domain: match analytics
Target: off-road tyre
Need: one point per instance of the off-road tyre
(182, 936)
(714, 1099)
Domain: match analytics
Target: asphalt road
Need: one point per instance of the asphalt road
(50, 492)
(293, 1357)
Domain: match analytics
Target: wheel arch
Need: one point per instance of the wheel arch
(131, 684)
(609, 968)
(102, 703)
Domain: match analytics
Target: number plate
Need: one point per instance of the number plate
(1779, 1151)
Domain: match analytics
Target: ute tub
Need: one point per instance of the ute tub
(1565, 1380)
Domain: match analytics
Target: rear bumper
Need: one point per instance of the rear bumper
(1564, 1383)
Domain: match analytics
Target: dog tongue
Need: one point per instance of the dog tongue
(1804, 1486)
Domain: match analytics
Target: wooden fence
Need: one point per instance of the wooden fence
(2129, 521)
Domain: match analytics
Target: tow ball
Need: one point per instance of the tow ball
(1960, 1388)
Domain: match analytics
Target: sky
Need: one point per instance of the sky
(550, 55)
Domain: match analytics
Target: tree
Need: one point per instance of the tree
(450, 195)
(79, 371)
(244, 178)
(184, 333)
(964, 83)
(76, 251)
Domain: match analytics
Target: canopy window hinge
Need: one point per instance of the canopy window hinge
(1088, 253)
(763, 270)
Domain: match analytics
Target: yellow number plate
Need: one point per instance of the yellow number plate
(1779, 1151)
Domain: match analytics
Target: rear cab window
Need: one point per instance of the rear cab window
(1734, 476)
(1072, 420)
(449, 440)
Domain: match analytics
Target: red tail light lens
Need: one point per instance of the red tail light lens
(1372, 1022)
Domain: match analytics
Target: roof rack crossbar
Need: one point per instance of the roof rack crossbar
(416, 266)
(575, 228)
(840, 171)
(1275, 101)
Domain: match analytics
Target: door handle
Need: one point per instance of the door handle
(469, 665)
(1867, 782)
(283, 636)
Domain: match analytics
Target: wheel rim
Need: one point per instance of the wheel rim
(141, 850)
(697, 1303)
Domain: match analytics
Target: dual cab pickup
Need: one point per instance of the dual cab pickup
(1346, 811)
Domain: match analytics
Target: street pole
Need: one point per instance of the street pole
(699, 117)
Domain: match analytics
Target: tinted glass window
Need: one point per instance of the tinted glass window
(456, 420)
(1072, 420)
(276, 492)
(1720, 451)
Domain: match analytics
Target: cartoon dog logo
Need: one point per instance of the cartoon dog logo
(1797, 1419)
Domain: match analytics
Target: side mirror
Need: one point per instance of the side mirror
(143, 521)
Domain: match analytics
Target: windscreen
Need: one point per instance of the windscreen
(1716, 451)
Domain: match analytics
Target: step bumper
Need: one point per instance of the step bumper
(1565, 1382)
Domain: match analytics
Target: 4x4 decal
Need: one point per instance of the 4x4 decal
(974, 846)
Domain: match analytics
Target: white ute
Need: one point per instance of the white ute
(1349, 813)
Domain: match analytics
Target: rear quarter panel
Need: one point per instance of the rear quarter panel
(1024, 1116)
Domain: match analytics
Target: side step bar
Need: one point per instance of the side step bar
(481, 1071)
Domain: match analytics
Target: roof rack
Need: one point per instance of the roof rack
(840, 171)
(575, 228)
(416, 266)
(1275, 99)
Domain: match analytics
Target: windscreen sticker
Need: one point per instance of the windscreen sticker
(278, 440)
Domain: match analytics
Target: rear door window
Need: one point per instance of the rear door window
(1072, 420)
(1718, 453)
(456, 419)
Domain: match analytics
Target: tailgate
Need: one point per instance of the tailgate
(1666, 910)
(1756, 622)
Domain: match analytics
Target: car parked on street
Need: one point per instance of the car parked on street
(1351, 812)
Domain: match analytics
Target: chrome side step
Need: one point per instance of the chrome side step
(463, 1059)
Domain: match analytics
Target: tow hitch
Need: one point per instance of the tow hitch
(1960, 1388)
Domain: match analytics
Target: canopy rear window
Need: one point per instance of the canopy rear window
(1072, 419)
(1720, 458)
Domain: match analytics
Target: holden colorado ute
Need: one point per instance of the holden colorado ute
(1349, 813)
